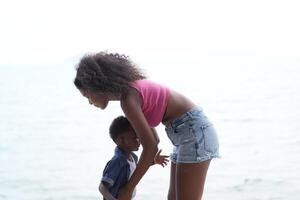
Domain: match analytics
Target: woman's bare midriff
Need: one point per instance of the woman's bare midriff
(177, 105)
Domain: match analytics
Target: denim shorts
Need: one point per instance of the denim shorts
(194, 138)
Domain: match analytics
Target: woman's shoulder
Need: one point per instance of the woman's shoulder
(145, 81)
(131, 98)
(149, 85)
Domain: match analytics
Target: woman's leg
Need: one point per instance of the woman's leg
(190, 179)
(172, 184)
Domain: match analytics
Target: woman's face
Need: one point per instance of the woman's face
(97, 99)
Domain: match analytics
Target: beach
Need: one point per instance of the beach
(54, 145)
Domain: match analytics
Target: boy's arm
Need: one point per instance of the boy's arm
(103, 189)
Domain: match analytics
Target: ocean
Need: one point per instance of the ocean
(54, 145)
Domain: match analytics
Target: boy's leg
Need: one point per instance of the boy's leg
(190, 179)
(172, 184)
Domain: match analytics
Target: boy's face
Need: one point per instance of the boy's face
(130, 141)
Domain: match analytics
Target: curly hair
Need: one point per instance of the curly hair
(106, 72)
(119, 126)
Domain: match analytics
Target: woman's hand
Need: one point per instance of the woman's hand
(160, 159)
(125, 193)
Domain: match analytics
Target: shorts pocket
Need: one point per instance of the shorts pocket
(181, 133)
(211, 142)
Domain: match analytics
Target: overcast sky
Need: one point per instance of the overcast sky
(48, 31)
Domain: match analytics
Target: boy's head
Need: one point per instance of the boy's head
(122, 133)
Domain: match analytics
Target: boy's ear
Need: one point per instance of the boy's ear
(120, 140)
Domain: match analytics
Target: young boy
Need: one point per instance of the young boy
(119, 169)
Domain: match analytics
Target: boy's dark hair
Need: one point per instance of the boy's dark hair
(119, 126)
(106, 72)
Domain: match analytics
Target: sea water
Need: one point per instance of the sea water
(54, 145)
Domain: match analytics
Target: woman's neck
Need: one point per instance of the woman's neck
(115, 97)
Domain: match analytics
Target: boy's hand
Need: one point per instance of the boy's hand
(160, 159)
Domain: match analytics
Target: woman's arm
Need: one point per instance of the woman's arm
(131, 105)
(155, 135)
(103, 189)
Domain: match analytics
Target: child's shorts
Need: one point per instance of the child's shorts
(194, 138)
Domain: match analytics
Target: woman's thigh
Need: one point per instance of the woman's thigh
(190, 180)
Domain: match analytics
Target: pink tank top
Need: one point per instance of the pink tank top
(155, 99)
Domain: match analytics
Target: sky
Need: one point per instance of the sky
(37, 31)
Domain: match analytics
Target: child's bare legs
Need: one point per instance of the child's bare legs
(187, 180)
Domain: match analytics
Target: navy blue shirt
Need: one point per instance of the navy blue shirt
(116, 172)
